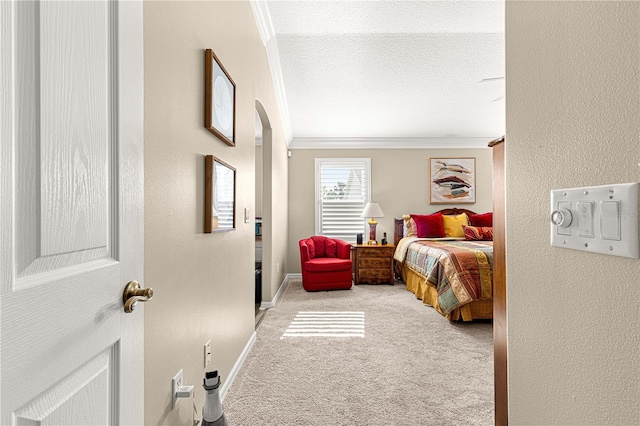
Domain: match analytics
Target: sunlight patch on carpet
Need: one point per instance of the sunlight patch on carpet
(326, 324)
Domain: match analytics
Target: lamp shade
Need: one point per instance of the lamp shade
(372, 210)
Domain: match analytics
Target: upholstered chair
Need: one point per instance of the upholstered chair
(326, 264)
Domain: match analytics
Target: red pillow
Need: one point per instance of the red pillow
(318, 242)
(475, 233)
(482, 220)
(330, 248)
(429, 225)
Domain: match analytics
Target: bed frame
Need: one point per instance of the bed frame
(478, 309)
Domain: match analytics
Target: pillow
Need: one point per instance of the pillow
(312, 248)
(318, 242)
(453, 225)
(410, 229)
(330, 248)
(475, 233)
(482, 220)
(428, 225)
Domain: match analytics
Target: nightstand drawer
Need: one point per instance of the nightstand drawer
(375, 252)
(375, 274)
(374, 262)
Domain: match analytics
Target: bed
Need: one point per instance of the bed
(454, 275)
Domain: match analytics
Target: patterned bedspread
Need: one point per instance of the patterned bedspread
(461, 271)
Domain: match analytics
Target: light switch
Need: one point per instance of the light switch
(600, 219)
(610, 220)
(585, 218)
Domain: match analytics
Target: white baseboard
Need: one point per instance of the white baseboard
(236, 368)
(269, 305)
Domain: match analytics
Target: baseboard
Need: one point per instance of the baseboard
(236, 368)
(269, 305)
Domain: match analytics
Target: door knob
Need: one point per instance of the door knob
(134, 294)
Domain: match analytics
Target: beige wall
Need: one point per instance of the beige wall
(203, 284)
(573, 119)
(399, 183)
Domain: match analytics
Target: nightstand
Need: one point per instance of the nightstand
(373, 264)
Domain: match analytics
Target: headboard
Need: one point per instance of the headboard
(398, 226)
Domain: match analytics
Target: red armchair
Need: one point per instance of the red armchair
(326, 264)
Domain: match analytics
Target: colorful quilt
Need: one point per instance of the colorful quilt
(461, 271)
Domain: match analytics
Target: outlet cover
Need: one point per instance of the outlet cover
(207, 353)
(176, 383)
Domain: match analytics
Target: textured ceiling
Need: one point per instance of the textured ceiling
(391, 69)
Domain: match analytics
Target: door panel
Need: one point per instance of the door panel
(64, 91)
(78, 397)
(71, 212)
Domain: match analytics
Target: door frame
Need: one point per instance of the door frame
(499, 285)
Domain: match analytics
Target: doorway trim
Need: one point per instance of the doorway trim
(267, 206)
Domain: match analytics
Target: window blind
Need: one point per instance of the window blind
(342, 189)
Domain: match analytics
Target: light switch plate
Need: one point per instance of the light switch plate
(176, 383)
(592, 224)
(207, 353)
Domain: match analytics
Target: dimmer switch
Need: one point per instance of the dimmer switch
(562, 218)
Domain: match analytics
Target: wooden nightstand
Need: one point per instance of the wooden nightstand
(373, 264)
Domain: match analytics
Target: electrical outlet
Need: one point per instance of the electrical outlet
(278, 268)
(207, 353)
(176, 384)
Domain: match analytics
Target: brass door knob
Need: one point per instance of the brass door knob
(134, 294)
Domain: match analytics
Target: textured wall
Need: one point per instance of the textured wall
(399, 183)
(204, 283)
(573, 114)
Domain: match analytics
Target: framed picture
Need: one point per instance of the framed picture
(219, 100)
(452, 180)
(220, 196)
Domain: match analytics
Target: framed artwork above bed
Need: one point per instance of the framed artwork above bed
(452, 180)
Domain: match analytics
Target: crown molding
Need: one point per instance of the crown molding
(267, 34)
(390, 143)
(263, 20)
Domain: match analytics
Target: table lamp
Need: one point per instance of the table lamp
(372, 210)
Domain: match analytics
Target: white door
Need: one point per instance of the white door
(72, 221)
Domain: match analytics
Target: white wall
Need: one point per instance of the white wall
(399, 183)
(573, 119)
(204, 283)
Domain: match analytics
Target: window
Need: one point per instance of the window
(343, 188)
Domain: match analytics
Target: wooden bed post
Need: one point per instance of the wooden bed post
(499, 286)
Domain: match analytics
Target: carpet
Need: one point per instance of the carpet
(372, 355)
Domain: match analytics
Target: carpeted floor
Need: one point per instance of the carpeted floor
(412, 367)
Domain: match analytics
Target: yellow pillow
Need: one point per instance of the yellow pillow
(453, 225)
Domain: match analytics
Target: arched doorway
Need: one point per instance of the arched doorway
(263, 206)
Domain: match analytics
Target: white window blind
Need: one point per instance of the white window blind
(343, 188)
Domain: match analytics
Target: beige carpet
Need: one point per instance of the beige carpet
(412, 367)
